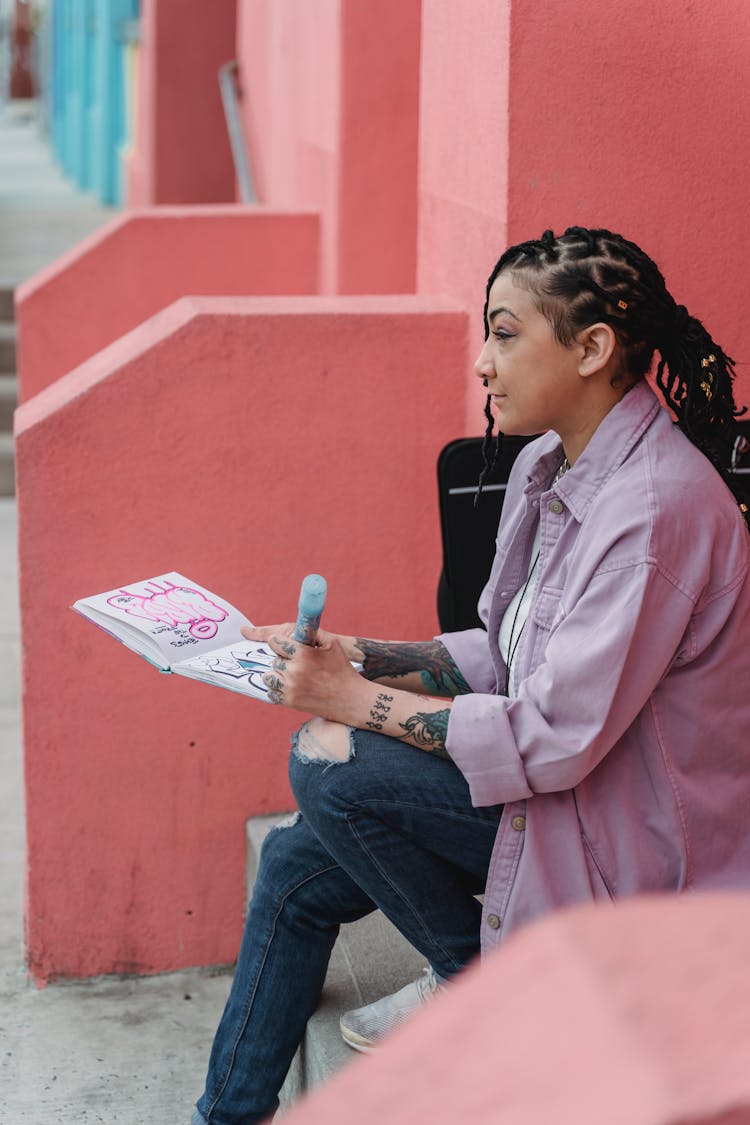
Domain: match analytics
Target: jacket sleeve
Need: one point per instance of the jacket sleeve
(600, 662)
(470, 653)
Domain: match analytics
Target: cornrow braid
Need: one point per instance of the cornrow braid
(586, 276)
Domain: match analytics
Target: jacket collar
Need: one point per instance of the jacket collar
(612, 442)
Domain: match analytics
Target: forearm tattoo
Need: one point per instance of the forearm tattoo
(380, 711)
(389, 660)
(429, 730)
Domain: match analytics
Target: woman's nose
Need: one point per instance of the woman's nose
(483, 364)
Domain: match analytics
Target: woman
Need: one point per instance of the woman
(591, 741)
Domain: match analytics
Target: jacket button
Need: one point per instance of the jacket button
(493, 921)
(518, 823)
(555, 506)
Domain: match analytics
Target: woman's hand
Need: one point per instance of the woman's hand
(265, 632)
(320, 679)
(316, 678)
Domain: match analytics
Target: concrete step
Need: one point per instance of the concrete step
(370, 960)
(8, 402)
(7, 348)
(7, 311)
(7, 466)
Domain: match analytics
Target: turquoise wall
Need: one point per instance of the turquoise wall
(86, 89)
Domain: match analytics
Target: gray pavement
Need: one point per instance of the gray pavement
(42, 214)
(131, 1051)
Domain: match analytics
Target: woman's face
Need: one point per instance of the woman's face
(533, 379)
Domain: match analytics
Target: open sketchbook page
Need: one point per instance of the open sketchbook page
(238, 667)
(167, 619)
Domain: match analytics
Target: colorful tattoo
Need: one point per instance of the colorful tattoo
(389, 660)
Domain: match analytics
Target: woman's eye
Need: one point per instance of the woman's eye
(500, 335)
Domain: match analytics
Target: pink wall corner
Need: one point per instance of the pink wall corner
(635, 1015)
(289, 73)
(254, 79)
(463, 158)
(378, 145)
(183, 153)
(330, 113)
(639, 126)
(235, 440)
(141, 262)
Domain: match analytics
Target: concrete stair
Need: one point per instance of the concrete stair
(42, 215)
(370, 960)
(7, 312)
(8, 391)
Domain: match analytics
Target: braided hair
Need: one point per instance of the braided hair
(584, 277)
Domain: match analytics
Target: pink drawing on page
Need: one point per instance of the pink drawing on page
(173, 605)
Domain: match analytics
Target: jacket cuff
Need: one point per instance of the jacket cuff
(470, 652)
(480, 741)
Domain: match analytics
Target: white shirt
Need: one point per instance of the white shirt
(514, 618)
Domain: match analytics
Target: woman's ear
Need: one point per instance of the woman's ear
(598, 343)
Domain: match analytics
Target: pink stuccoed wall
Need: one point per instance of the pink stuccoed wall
(181, 151)
(633, 1015)
(330, 112)
(634, 116)
(245, 443)
(146, 259)
(463, 154)
(538, 114)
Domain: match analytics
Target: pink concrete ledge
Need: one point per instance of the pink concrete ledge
(144, 260)
(244, 443)
(632, 1015)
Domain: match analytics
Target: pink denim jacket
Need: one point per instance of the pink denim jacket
(624, 760)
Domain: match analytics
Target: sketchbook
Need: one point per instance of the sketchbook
(183, 628)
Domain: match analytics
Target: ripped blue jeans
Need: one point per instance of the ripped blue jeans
(391, 827)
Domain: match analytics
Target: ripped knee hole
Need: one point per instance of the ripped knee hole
(319, 740)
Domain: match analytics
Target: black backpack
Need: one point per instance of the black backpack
(468, 532)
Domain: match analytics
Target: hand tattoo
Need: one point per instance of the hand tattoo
(379, 711)
(429, 730)
(389, 660)
(275, 688)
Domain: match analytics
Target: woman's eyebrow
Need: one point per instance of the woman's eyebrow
(502, 309)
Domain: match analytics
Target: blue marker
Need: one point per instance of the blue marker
(312, 598)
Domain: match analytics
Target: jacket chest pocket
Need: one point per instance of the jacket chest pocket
(546, 614)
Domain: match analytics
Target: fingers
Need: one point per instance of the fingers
(265, 632)
(275, 688)
(285, 648)
(282, 646)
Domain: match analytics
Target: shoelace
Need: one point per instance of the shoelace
(427, 983)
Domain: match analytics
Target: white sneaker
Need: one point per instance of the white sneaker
(363, 1028)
